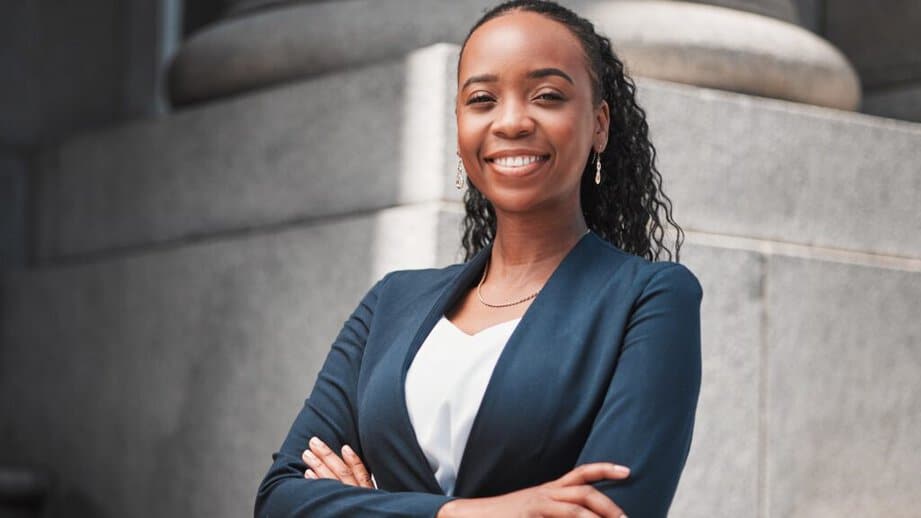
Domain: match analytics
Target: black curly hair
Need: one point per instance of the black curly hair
(624, 208)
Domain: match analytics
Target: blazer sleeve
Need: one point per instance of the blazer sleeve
(647, 416)
(329, 413)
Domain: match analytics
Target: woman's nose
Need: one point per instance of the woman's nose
(512, 120)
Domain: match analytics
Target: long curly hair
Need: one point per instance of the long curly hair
(625, 208)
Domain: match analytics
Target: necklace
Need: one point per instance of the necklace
(479, 295)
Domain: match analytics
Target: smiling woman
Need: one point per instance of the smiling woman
(556, 371)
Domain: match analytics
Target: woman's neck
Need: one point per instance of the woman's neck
(526, 250)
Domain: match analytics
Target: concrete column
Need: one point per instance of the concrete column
(747, 46)
(261, 43)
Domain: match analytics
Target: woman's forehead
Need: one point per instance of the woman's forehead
(521, 40)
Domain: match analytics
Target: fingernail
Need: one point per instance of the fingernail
(310, 456)
(347, 450)
(311, 474)
(314, 441)
(624, 470)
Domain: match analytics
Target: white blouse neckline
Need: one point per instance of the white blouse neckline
(479, 333)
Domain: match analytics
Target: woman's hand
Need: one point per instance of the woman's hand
(568, 496)
(324, 463)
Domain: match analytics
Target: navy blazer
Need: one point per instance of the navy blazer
(603, 366)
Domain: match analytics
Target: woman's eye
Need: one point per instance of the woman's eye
(550, 96)
(479, 99)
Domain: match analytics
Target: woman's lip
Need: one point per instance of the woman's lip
(517, 171)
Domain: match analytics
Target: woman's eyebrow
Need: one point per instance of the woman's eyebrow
(534, 74)
(544, 72)
(482, 78)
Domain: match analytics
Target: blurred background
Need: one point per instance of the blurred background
(194, 195)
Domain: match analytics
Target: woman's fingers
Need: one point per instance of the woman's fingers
(590, 498)
(358, 468)
(566, 509)
(586, 473)
(326, 464)
(317, 468)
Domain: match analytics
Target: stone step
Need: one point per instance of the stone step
(384, 135)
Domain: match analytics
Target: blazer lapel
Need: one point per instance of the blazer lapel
(470, 271)
(522, 393)
(524, 369)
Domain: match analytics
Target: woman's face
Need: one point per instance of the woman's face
(525, 118)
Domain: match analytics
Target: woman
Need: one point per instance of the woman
(556, 371)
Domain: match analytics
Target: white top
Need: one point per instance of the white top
(444, 387)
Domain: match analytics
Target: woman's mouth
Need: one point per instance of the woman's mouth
(518, 165)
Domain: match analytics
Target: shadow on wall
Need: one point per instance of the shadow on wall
(33, 492)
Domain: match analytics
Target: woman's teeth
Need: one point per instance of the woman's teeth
(516, 161)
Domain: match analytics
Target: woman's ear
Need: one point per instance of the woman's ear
(602, 125)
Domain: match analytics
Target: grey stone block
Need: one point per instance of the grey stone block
(159, 383)
(774, 170)
(843, 403)
(721, 474)
(345, 143)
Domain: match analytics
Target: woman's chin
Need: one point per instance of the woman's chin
(516, 200)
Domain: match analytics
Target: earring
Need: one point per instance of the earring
(460, 180)
(597, 168)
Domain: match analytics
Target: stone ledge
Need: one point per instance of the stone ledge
(734, 164)
(768, 169)
(354, 141)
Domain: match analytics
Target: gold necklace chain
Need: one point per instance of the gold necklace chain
(479, 295)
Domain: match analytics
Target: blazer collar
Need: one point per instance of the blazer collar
(557, 292)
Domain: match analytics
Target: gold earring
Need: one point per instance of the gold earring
(460, 180)
(597, 168)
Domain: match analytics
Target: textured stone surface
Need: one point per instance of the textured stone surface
(782, 171)
(721, 475)
(355, 141)
(843, 405)
(728, 49)
(159, 384)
